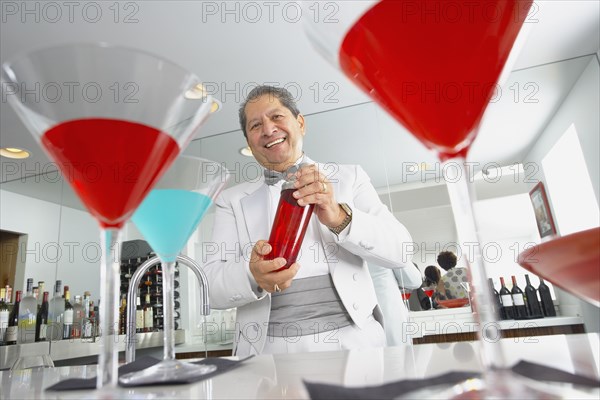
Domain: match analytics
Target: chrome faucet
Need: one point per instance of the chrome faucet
(131, 298)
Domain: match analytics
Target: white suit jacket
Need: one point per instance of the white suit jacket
(241, 219)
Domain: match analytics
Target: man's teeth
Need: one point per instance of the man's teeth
(269, 145)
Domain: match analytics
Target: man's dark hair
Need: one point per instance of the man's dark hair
(447, 260)
(285, 98)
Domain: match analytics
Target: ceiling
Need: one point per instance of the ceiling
(235, 45)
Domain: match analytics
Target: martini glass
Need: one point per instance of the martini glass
(113, 119)
(405, 293)
(434, 66)
(167, 218)
(428, 290)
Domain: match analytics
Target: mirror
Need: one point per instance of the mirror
(62, 238)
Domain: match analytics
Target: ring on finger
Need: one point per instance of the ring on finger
(324, 187)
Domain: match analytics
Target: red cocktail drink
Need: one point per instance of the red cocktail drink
(435, 72)
(112, 175)
(289, 228)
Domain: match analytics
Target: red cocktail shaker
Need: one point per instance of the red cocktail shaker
(289, 226)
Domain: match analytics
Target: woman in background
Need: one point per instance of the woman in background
(433, 278)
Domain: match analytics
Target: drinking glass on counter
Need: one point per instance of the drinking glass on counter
(167, 218)
(113, 119)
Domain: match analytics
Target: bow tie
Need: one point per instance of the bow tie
(272, 177)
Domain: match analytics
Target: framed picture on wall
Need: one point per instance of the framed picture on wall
(543, 216)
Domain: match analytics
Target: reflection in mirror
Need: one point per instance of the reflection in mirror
(528, 116)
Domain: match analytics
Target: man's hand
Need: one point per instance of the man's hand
(313, 188)
(264, 271)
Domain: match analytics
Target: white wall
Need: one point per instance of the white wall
(581, 109)
(62, 243)
(40, 221)
(79, 266)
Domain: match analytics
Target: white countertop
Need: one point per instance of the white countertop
(281, 376)
(460, 320)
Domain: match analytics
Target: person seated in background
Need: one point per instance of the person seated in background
(454, 276)
(433, 278)
(387, 283)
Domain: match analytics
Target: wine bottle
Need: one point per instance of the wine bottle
(87, 322)
(533, 305)
(497, 304)
(78, 315)
(519, 307)
(4, 314)
(41, 325)
(148, 315)
(123, 315)
(546, 298)
(12, 332)
(41, 289)
(68, 316)
(56, 313)
(507, 302)
(139, 316)
(27, 315)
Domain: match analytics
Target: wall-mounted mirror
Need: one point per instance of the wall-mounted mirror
(61, 239)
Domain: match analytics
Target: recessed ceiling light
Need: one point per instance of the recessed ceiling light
(245, 151)
(196, 93)
(13, 152)
(215, 106)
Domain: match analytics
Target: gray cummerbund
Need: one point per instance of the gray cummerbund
(308, 306)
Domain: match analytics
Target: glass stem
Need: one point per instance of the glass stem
(458, 184)
(168, 272)
(108, 360)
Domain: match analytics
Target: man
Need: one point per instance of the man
(326, 300)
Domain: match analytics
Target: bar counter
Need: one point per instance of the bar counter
(281, 376)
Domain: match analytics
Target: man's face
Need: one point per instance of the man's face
(273, 133)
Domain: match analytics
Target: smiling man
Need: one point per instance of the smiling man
(326, 300)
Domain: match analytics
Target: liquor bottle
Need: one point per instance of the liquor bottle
(86, 324)
(533, 305)
(507, 302)
(519, 307)
(41, 325)
(96, 316)
(148, 315)
(13, 321)
(68, 316)
(496, 304)
(139, 316)
(4, 313)
(8, 294)
(123, 314)
(56, 313)
(78, 313)
(546, 298)
(27, 315)
(290, 224)
(41, 289)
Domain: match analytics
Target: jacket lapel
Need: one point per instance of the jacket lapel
(254, 209)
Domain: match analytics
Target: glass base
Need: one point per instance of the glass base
(166, 371)
(498, 384)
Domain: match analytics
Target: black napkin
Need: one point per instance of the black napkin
(544, 373)
(141, 363)
(395, 389)
(387, 391)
